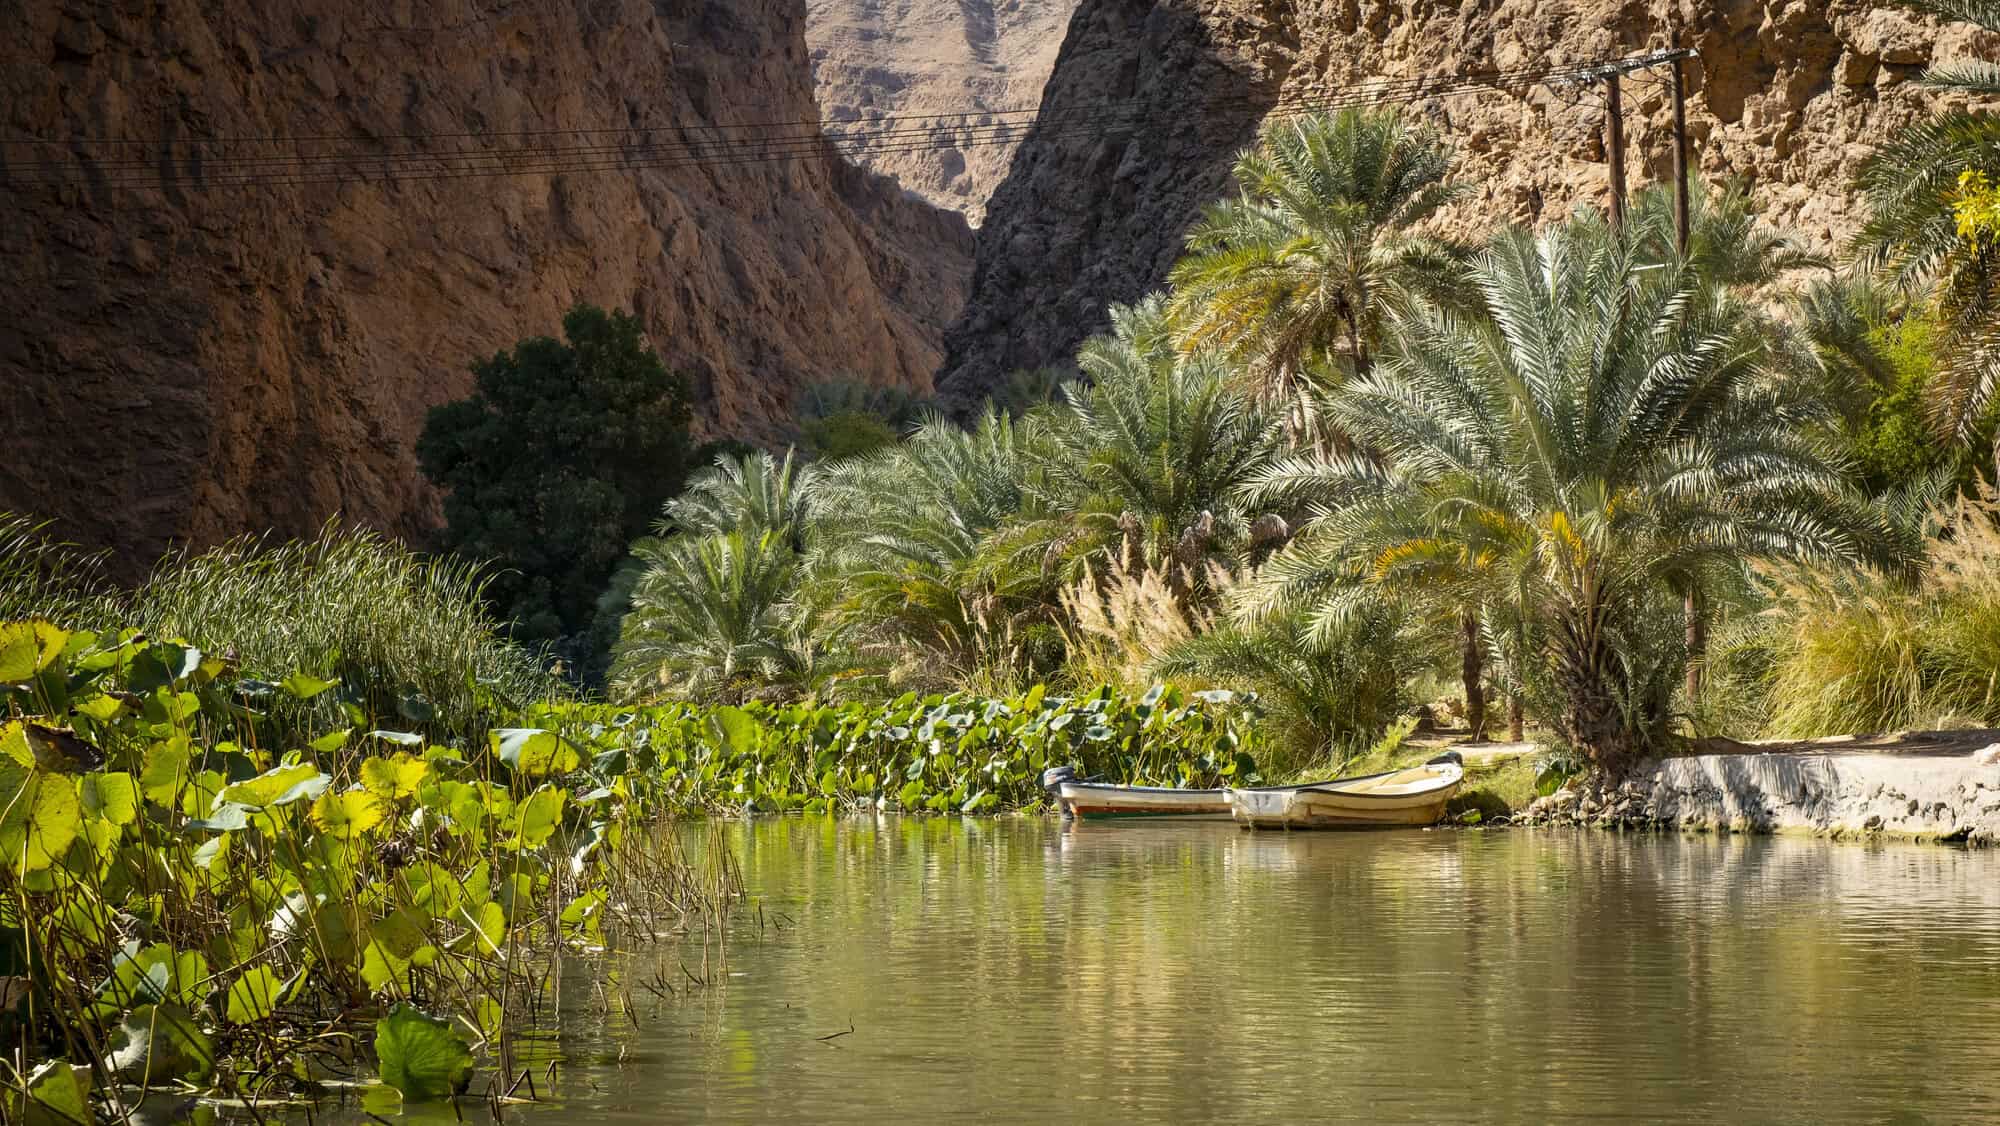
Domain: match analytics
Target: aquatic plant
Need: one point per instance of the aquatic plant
(176, 908)
(944, 753)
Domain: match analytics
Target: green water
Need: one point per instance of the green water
(1010, 971)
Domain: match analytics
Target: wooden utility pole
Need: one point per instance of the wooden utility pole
(1697, 624)
(1614, 127)
(1681, 232)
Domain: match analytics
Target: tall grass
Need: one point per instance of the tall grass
(1857, 653)
(407, 637)
(43, 577)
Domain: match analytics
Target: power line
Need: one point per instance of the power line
(208, 162)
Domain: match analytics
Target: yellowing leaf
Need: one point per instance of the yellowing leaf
(395, 777)
(349, 815)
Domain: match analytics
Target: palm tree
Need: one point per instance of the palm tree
(710, 615)
(1319, 243)
(902, 530)
(1604, 430)
(1144, 461)
(1912, 237)
(755, 493)
(717, 606)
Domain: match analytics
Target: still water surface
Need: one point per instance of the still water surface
(1010, 970)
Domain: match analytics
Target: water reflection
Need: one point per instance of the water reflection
(1009, 970)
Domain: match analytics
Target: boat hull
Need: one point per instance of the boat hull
(1404, 798)
(1090, 801)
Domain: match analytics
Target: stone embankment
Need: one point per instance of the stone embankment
(1945, 795)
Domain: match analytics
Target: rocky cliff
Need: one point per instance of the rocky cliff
(185, 357)
(1788, 94)
(925, 87)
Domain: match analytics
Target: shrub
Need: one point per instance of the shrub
(558, 460)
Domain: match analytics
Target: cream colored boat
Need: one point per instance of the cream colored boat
(1415, 796)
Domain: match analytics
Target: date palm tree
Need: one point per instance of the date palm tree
(1319, 243)
(1143, 462)
(716, 608)
(902, 529)
(1912, 237)
(1601, 432)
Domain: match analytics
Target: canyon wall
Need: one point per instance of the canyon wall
(931, 92)
(184, 358)
(1789, 95)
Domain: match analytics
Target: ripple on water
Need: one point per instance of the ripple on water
(1008, 970)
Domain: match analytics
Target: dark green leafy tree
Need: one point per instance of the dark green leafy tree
(559, 459)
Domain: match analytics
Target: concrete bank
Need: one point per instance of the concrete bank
(1930, 793)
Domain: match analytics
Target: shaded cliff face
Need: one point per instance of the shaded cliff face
(193, 360)
(885, 64)
(1789, 94)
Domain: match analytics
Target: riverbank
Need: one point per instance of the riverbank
(1937, 786)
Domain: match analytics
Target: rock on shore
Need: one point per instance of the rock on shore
(1952, 797)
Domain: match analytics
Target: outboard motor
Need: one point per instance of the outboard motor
(1052, 779)
(1452, 757)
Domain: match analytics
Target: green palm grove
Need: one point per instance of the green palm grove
(1356, 467)
(1341, 470)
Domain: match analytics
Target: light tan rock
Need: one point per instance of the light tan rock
(931, 92)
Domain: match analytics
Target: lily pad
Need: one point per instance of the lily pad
(58, 1094)
(422, 1056)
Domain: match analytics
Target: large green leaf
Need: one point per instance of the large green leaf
(58, 1094)
(422, 1056)
(157, 1043)
(114, 796)
(165, 771)
(534, 752)
(39, 817)
(537, 817)
(734, 730)
(278, 786)
(254, 996)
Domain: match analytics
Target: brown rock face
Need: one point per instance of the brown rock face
(924, 88)
(190, 359)
(1788, 94)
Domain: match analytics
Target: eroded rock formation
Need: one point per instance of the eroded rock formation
(1788, 94)
(189, 360)
(927, 89)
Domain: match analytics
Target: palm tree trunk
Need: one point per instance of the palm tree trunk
(1473, 669)
(1515, 729)
(1592, 721)
(1697, 644)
